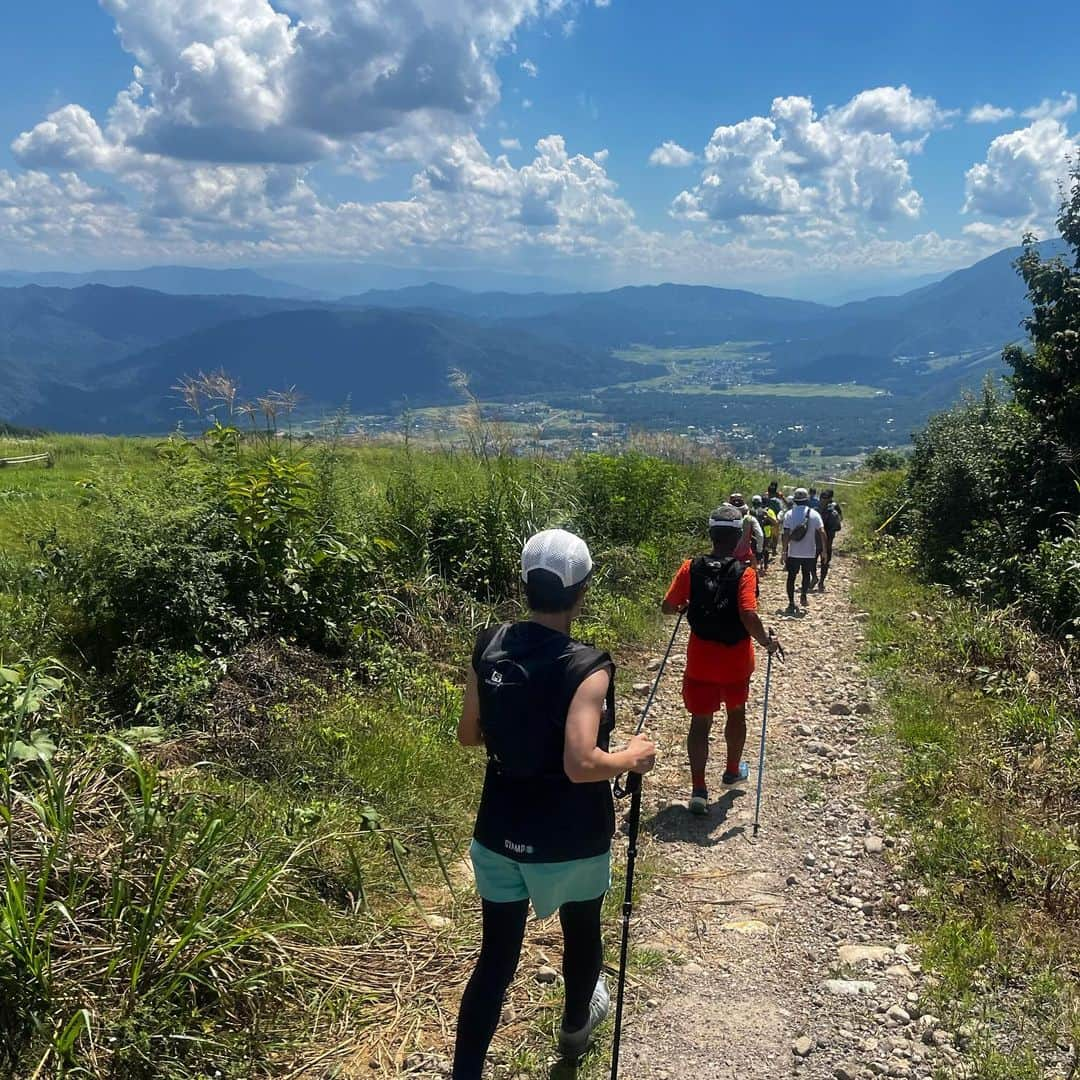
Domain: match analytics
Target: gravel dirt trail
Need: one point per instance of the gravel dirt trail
(789, 954)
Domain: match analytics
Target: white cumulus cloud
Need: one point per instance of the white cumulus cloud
(889, 109)
(671, 155)
(989, 114)
(1052, 109)
(1019, 178)
(240, 81)
(530, 68)
(69, 138)
(842, 165)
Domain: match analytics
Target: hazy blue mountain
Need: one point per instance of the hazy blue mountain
(648, 314)
(182, 280)
(477, 305)
(349, 278)
(65, 335)
(871, 290)
(106, 357)
(980, 307)
(374, 359)
(672, 315)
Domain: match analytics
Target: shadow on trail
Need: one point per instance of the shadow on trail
(677, 824)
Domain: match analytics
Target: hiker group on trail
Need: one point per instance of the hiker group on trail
(543, 707)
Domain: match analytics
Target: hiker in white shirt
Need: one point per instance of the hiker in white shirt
(804, 533)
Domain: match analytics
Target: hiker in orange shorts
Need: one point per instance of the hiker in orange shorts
(718, 592)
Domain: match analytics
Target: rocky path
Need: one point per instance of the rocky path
(789, 954)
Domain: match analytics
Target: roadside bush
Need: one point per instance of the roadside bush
(992, 482)
(476, 543)
(627, 499)
(1052, 583)
(202, 559)
(884, 460)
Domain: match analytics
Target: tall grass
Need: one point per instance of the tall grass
(227, 798)
(984, 712)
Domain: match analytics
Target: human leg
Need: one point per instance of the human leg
(735, 737)
(481, 1004)
(583, 956)
(807, 567)
(697, 748)
(826, 560)
(792, 573)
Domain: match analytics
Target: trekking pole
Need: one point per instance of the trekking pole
(633, 789)
(764, 722)
(659, 675)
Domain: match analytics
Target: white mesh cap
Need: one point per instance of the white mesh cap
(726, 517)
(559, 552)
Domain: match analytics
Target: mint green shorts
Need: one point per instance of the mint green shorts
(547, 885)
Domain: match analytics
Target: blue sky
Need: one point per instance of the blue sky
(788, 147)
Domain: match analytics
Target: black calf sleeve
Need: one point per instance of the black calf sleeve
(481, 1004)
(583, 955)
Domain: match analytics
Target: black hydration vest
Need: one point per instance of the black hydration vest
(527, 676)
(713, 613)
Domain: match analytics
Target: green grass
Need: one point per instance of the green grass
(803, 390)
(989, 777)
(650, 354)
(290, 795)
(33, 498)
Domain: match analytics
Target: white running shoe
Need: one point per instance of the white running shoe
(574, 1044)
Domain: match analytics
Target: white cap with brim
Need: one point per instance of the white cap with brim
(558, 552)
(802, 495)
(726, 517)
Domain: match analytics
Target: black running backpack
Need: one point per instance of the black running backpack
(525, 691)
(713, 612)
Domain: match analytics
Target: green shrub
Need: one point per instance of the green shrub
(629, 499)
(884, 460)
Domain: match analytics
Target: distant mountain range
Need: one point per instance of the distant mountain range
(92, 352)
(180, 280)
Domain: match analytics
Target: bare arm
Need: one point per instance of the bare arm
(756, 629)
(468, 729)
(583, 761)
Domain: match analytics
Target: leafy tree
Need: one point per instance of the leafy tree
(884, 460)
(1046, 378)
(993, 483)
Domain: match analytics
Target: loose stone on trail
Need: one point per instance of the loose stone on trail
(849, 987)
(854, 955)
(797, 939)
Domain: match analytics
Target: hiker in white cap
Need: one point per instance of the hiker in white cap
(542, 706)
(804, 536)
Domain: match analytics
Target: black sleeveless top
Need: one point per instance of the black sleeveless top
(530, 811)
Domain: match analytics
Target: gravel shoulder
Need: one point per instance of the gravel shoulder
(789, 954)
